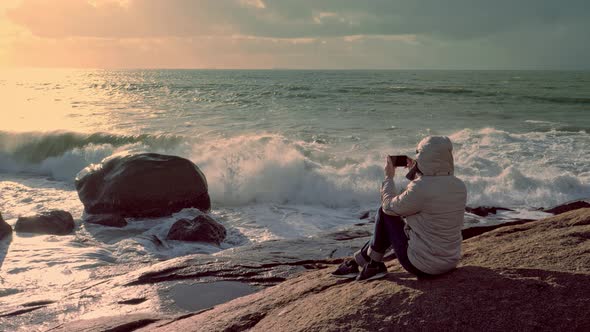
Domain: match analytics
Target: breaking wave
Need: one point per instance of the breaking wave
(535, 169)
(62, 155)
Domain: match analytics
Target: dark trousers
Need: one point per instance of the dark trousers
(389, 232)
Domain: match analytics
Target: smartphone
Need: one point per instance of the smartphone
(399, 161)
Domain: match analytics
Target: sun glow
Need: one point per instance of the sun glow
(8, 32)
(47, 100)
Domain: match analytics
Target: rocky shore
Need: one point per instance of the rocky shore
(532, 276)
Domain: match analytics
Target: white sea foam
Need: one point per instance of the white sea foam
(253, 169)
(500, 168)
(523, 170)
(540, 122)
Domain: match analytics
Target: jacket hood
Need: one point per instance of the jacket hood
(435, 156)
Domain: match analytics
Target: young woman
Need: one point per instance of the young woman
(422, 224)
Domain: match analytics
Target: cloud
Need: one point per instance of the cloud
(289, 19)
(299, 33)
(207, 52)
(114, 19)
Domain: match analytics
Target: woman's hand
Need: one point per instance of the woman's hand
(410, 162)
(389, 169)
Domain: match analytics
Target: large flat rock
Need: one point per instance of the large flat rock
(264, 264)
(525, 276)
(534, 276)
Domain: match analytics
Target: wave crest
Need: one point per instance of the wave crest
(35, 147)
(62, 155)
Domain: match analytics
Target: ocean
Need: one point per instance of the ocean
(286, 153)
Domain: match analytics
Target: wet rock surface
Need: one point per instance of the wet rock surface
(522, 277)
(20, 311)
(258, 265)
(199, 229)
(5, 228)
(562, 208)
(369, 215)
(527, 266)
(484, 211)
(133, 301)
(56, 222)
(364, 214)
(111, 220)
(264, 264)
(125, 323)
(142, 185)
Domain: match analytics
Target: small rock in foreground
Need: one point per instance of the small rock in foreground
(200, 229)
(5, 228)
(112, 220)
(56, 222)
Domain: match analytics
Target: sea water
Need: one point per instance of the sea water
(286, 153)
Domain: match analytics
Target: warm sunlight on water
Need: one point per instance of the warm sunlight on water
(55, 99)
(276, 126)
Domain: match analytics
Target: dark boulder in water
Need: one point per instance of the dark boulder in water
(112, 220)
(483, 211)
(200, 229)
(364, 214)
(142, 185)
(562, 208)
(5, 228)
(368, 214)
(54, 222)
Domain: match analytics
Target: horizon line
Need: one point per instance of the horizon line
(291, 69)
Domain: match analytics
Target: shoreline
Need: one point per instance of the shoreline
(540, 269)
(154, 287)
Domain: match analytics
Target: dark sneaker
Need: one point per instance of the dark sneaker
(372, 271)
(348, 269)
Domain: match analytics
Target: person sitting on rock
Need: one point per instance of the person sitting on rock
(428, 241)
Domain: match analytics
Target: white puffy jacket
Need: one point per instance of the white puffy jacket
(433, 206)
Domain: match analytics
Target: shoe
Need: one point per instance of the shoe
(348, 269)
(372, 271)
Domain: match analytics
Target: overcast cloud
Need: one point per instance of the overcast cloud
(302, 33)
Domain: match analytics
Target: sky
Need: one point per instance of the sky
(313, 34)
